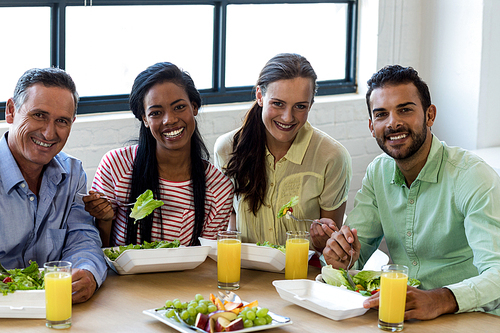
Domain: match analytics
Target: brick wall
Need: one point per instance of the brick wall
(343, 117)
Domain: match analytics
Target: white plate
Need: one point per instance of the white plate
(23, 304)
(159, 260)
(329, 301)
(263, 258)
(159, 315)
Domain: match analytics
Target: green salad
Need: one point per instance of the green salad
(274, 246)
(144, 205)
(112, 253)
(288, 207)
(367, 282)
(29, 278)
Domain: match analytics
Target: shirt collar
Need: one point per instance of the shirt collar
(297, 150)
(10, 174)
(430, 171)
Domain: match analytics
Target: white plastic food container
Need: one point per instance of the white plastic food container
(159, 260)
(332, 302)
(23, 304)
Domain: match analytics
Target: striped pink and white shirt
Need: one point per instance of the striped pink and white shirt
(176, 217)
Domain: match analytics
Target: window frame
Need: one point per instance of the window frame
(219, 93)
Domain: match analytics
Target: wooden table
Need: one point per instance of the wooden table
(117, 306)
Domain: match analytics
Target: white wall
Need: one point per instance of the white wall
(451, 65)
(489, 115)
(454, 45)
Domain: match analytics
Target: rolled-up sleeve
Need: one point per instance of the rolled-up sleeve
(83, 243)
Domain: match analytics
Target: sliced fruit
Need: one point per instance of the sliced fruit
(201, 320)
(235, 325)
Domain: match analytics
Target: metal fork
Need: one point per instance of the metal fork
(197, 329)
(119, 203)
(229, 296)
(349, 278)
(303, 220)
(232, 297)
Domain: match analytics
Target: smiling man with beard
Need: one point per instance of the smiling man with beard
(436, 205)
(41, 218)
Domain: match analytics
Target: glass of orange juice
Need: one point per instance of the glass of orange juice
(228, 259)
(58, 294)
(391, 310)
(297, 255)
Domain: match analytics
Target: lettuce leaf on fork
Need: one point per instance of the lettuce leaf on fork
(288, 206)
(144, 205)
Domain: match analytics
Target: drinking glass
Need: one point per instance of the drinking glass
(391, 311)
(297, 255)
(58, 294)
(228, 259)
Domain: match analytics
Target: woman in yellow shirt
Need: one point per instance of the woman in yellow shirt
(277, 155)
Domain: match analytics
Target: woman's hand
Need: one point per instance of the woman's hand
(320, 233)
(331, 221)
(98, 207)
(101, 209)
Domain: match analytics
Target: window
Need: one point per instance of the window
(223, 44)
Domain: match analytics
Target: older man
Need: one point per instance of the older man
(437, 206)
(41, 216)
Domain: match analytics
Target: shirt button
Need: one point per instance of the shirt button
(408, 233)
(32, 198)
(272, 184)
(270, 229)
(23, 185)
(268, 206)
(414, 263)
(411, 201)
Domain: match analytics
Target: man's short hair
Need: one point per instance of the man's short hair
(49, 77)
(396, 75)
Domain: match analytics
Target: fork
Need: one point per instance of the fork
(232, 297)
(119, 203)
(303, 220)
(349, 278)
(229, 296)
(182, 322)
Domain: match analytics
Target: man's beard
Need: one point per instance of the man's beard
(418, 140)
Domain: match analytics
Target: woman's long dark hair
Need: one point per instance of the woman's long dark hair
(145, 172)
(247, 163)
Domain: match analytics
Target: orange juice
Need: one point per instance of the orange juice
(297, 258)
(392, 297)
(58, 296)
(228, 260)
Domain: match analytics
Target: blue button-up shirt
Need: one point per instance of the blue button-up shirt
(52, 226)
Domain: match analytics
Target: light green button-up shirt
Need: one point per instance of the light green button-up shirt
(316, 168)
(445, 227)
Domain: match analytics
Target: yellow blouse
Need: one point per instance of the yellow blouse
(316, 168)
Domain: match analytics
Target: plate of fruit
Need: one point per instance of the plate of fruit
(216, 315)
